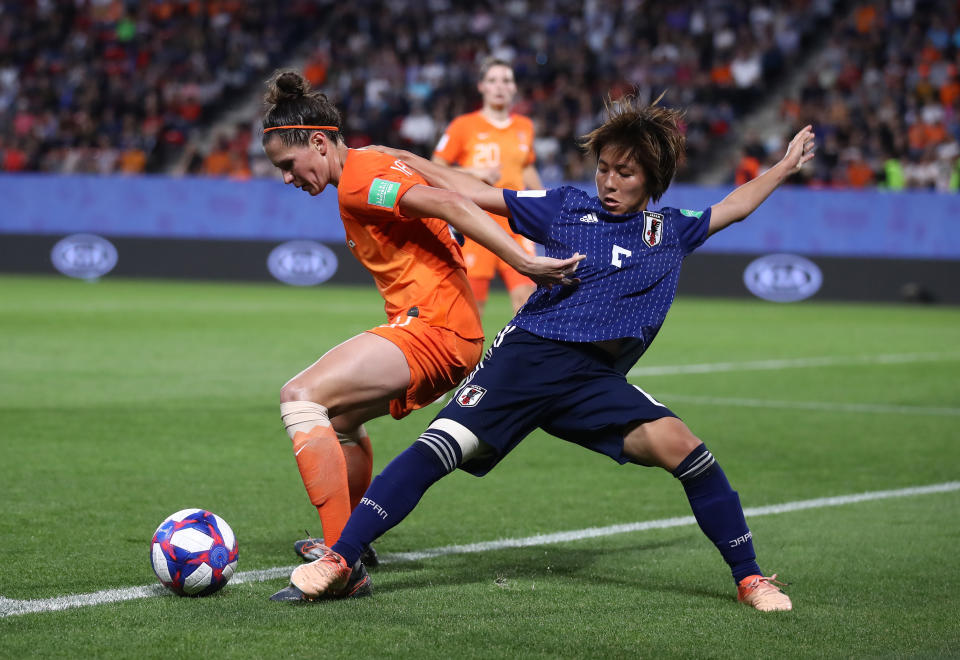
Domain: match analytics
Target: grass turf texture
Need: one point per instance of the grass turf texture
(123, 401)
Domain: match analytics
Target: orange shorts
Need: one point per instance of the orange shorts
(438, 359)
(482, 265)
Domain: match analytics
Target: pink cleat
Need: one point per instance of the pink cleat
(325, 578)
(759, 592)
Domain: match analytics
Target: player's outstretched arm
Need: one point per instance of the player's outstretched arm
(467, 218)
(489, 175)
(441, 176)
(746, 198)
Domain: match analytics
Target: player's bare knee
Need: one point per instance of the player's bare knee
(294, 390)
(674, 441)
(663, 442)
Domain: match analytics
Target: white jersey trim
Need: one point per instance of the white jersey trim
(468, 441)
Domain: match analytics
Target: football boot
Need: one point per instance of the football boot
(308, 549)
(326, 578)
(762, 593)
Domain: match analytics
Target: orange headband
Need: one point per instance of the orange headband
(318, 128)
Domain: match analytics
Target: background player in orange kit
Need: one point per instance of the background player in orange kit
(396, 226)
(496, 147)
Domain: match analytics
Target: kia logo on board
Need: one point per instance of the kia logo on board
(302, 263)
(84, 256)
(782, 278)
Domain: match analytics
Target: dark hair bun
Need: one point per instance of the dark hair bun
(286, 86)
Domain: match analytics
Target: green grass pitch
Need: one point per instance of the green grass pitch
(123, 401)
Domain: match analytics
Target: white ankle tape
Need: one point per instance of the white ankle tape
(352, 437)
(302, 416)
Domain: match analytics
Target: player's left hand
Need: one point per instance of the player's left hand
(549, 271)
(801, 148)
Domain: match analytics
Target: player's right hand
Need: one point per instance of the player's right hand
(549, 271)
(489, 175)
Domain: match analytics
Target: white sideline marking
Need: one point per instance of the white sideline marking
(811, 405)
(594, 532)
(10, 607)
(791, 363)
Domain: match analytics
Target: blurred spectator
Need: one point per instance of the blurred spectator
(748, 167)
(418, 129)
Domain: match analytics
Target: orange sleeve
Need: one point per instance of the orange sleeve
(373, 184)
(450, 147)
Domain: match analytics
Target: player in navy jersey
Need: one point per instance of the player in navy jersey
(560, 364)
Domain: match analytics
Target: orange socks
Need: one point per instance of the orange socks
(359, 458)
(324, 473)
(336, 475)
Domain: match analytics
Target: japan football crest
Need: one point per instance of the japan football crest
(470, 396)
(652, 228)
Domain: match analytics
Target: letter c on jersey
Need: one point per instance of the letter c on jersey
(618, 254)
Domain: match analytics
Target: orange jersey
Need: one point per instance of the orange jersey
(415, 262)
(472, 141)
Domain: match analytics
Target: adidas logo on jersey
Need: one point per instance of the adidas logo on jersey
(590, 217)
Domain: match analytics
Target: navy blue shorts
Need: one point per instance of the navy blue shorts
(569, 390)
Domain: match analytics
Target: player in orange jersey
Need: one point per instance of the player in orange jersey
(496, 147)
(396, 225)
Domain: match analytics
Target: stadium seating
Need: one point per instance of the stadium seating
(111, 86)
(116, 86)
(883, 97)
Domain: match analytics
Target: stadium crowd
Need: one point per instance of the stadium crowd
(884, 98)
(105, 86)
(413, 66)
(112, 86)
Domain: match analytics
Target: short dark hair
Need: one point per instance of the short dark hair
(290, 102)
(490, 62)
(651, 135)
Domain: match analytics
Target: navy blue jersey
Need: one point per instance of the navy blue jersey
(629, 278)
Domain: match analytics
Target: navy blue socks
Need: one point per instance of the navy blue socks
(397, 490)
(717, 509)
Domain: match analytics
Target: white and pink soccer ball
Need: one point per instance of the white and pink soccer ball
(194, 552)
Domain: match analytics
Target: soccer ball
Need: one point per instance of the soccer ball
(194, 552)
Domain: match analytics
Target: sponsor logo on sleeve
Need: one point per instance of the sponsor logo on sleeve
(691, 214)
(383, 193)
(652, 228)
(531, 193)
(302, 263)
(782, 278)
(84, 256)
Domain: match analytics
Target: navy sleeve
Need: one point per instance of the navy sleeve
(692, 227)
(533, 211)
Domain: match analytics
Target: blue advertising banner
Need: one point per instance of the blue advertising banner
(905, 225)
